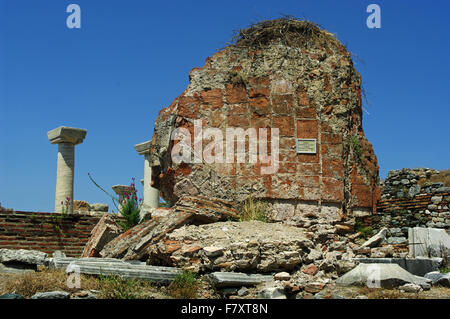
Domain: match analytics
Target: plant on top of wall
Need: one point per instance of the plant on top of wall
(130, 208)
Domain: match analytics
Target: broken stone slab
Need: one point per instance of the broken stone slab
(428, 242)
(22, 259)
(125, 269)
(11, 296)
(412, 288)
(62, 263)
(250, 246)
(282, 276)
(376, 240)
(133, 244)
(160, 275)
(237, 279)
(51, 295)
(438, 278)
(381, 276)
(416, 266)
(104, 232)
(272, 293)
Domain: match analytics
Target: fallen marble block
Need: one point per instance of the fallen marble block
(51, 295)
(428, 242)
(381, 276)
(416, 266)
(439, 279)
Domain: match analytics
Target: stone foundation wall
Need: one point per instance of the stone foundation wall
(46, 232)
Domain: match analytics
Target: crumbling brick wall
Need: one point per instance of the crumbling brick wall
(46, 232)
(307, 91)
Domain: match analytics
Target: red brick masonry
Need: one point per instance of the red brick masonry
(46, 232)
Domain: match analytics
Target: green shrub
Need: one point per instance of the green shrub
(355, 145)
(444, 270)
(130, 208)
(366, 231)
(184, 286)
(253, 210)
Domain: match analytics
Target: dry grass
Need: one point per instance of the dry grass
(253, 210)
(108, 287)
(443, 176)
(29, 284)
(289, 30)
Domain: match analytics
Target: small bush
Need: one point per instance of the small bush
(355, 145)
(253, 210)
(184, 286)
(366, 231)
(116, 287)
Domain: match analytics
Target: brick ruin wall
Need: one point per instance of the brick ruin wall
(46, 232)
(307, 92)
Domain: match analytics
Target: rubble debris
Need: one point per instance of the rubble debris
(104, 232)
(241, 246)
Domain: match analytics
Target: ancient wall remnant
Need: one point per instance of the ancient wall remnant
(409, 199)
(47, 232)
(286, 74)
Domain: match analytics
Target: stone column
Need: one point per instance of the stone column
(120, 190)
(66, 138)
(151, 194)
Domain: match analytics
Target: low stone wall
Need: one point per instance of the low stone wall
(424, 210)
(46, 232)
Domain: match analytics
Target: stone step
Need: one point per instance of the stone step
(236, 279)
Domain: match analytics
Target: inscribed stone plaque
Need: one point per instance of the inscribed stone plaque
(306, 146)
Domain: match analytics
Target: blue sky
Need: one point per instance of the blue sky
(132, 58)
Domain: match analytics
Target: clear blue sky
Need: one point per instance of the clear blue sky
(132, 58)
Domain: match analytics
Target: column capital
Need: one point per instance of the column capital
(143, 148)
(121, 189)
(65, 134)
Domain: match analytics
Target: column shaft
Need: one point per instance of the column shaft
(64, 177)
(151, 194)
